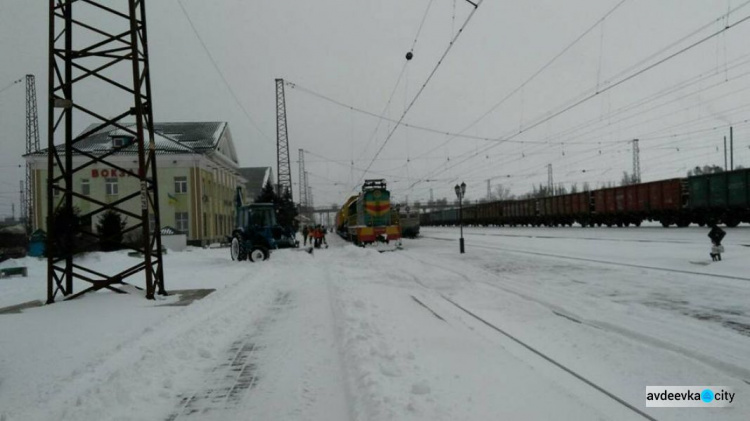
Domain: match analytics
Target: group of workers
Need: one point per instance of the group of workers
(316, 235)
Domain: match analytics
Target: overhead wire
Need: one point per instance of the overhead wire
(10, 85)
(353, 108)
(398, 82)
(610, 86)
(576, 103)
(539, 71)
(221, 74)
(424, 85)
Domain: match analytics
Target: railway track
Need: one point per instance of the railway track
(423, 303)
(604, 262)
(617, 240)
(733, 370)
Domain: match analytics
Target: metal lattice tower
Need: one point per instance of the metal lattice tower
(302, 180)
(32, 145)
(636, 162)
(22, 193)
(550, 181)
(282, 142)
(309, 195)
(109, 61)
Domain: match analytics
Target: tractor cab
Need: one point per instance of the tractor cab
(252, 236)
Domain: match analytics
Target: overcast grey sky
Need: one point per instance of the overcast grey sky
(353, 52)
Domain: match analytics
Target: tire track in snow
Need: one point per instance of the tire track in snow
(230, 380)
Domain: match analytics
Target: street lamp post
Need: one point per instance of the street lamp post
(460, 192)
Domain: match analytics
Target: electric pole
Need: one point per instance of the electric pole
(282, 142)
(636, 162)
(114, 63)
(302, 181)
(550, 181)
(32, 145)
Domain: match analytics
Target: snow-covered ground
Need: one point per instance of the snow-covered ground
(528, 324)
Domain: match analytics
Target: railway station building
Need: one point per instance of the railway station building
(197, 173)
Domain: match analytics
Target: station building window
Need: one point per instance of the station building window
(180, 185)
(181, 221)
(110, 186)
(85, 187)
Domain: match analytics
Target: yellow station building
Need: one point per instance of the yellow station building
(197, 173)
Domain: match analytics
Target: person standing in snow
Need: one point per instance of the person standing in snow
(716, 235)
(304, 234)
(323, 231)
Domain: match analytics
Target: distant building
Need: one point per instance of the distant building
(255, 179)
(198, 172)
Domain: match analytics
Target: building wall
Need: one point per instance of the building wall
(208, 200)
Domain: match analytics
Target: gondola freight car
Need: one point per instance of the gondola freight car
(719, 197)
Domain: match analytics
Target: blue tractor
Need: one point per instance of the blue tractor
(252, 237)
(256, 231)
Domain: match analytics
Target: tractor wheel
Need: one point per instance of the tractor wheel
(258, 254)
(237, 249)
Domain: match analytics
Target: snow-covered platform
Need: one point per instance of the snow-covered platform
(528, 324)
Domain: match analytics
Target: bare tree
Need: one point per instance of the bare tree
(706, 169)
(502, 193)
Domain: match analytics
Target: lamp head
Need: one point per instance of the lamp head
(458, 190)
(463, 188)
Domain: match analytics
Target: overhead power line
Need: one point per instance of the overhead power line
(405, 124)
(634, 75)
(424, 85)
(535, 74)
(597, 92)
(221, 74)
(398, 81)
(11, 85)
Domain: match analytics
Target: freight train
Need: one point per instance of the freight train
(704, 199)
(366, 218)
(408, 220)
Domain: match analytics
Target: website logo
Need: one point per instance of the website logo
(689, 396)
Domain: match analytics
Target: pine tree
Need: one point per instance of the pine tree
(59, 244)
(286, 210)
(267, 194)
(110, 228)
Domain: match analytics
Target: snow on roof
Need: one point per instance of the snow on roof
(187, 137)
(256, 177)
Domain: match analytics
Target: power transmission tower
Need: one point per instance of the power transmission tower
(302, 182)
(310, 203)
(550, 181)
(22, 192)
(282, 142)
(636, 162)
(115, 43)
(32, 145)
